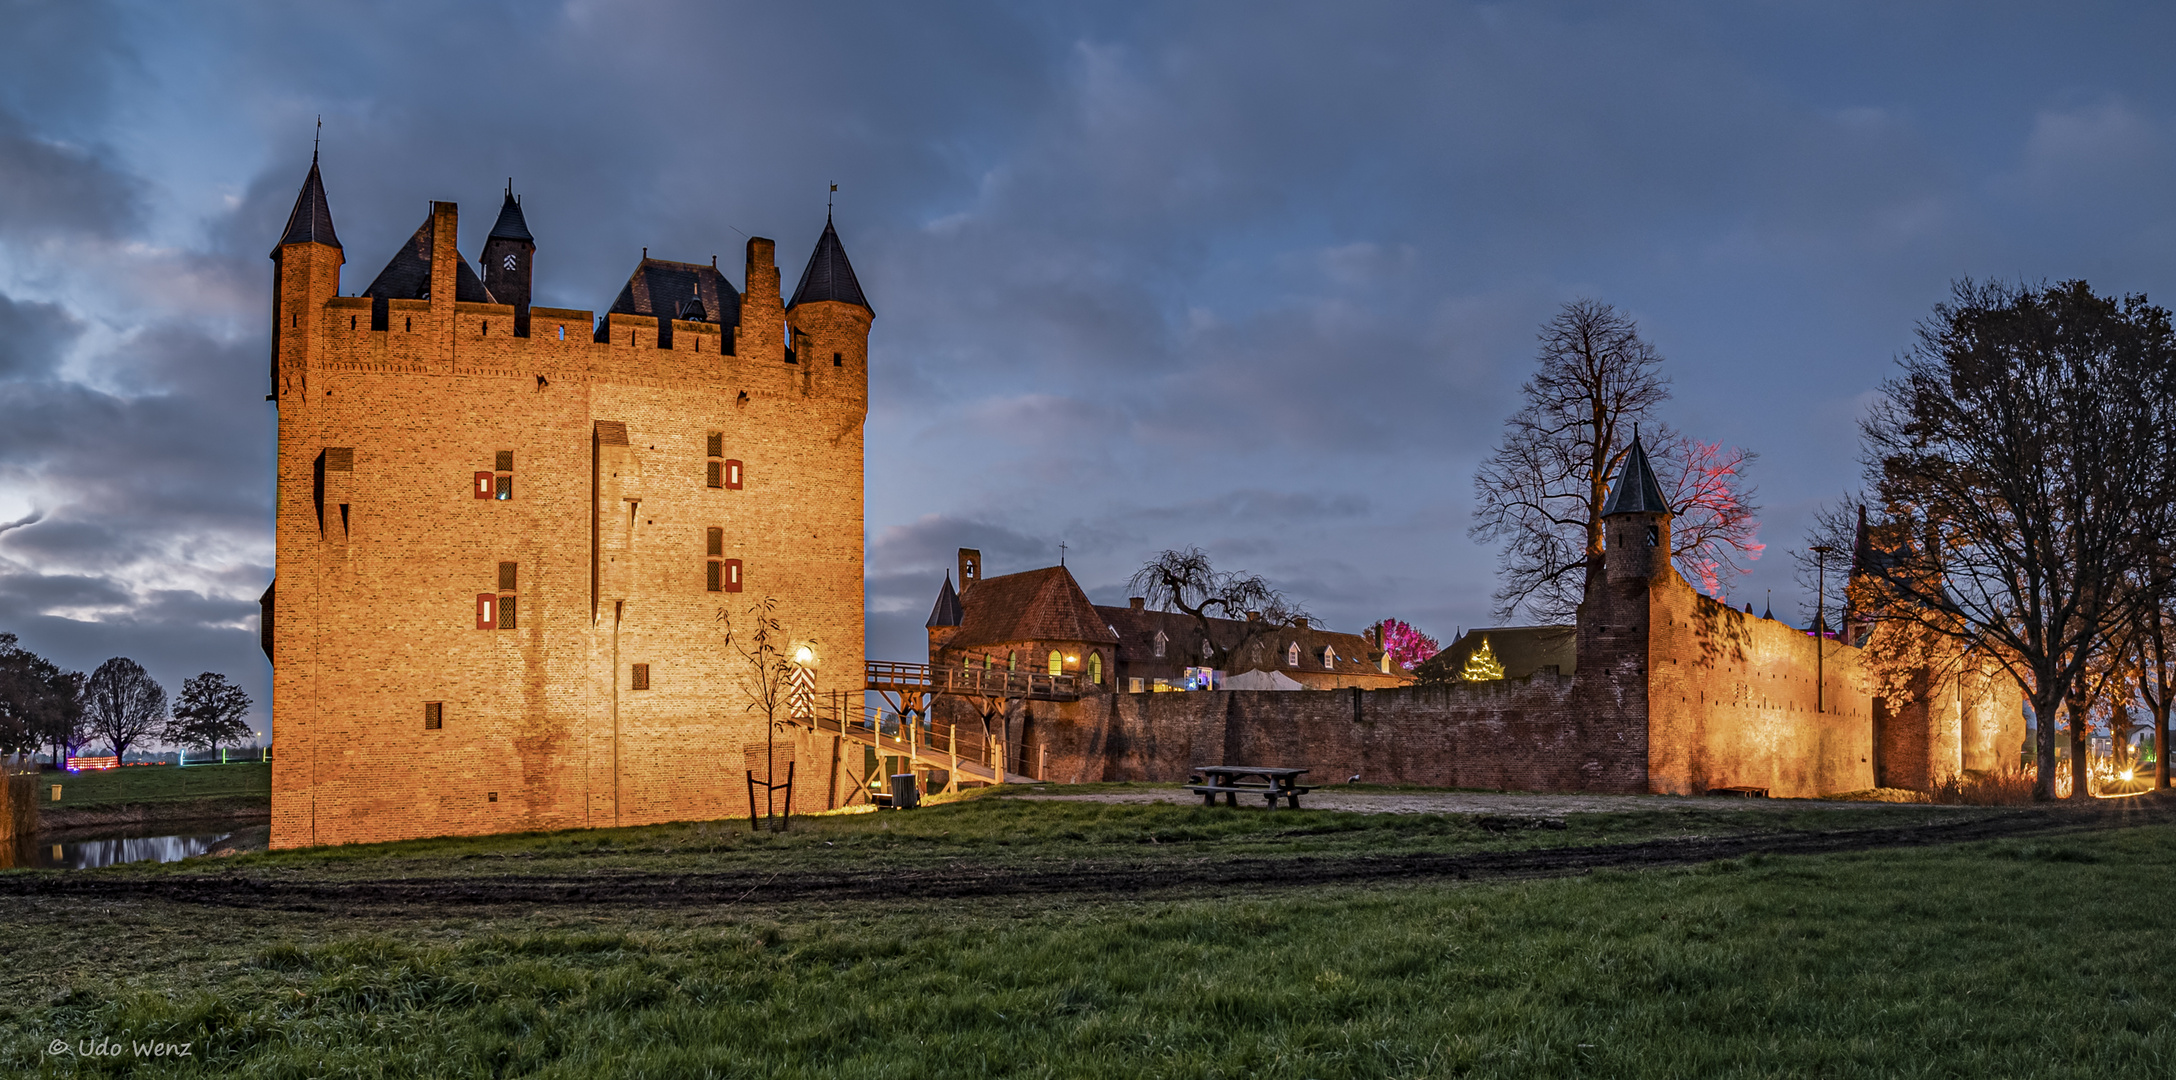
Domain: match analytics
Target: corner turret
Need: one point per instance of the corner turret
(829, 317)
(510, 260)
(1636, 522)
(305, 273)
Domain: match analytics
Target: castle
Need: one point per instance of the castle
(1655, 688)
(511, 537)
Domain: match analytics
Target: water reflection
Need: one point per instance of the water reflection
(83, 851)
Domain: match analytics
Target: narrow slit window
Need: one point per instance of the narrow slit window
(434, 715)
(732, 475)
(730, 569)
(837, 360)
(506, 613)
(487, 611)
(640, 679)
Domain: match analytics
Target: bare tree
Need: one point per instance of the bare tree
(208, 714)
(1540, 493)
(124, 704)
(2153, 639)
(774, 677)
(2027, 446)
(1230, 608)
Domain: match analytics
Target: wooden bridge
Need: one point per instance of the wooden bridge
(973, 753)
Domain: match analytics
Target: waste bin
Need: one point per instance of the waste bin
(904, 794)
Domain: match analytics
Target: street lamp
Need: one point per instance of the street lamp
(1821, 552)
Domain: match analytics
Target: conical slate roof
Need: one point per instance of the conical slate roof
(678, 290)
(511, 225)
(408, 276)
(947, 610)
(829, 276)
(311, 220)
(1637, 490)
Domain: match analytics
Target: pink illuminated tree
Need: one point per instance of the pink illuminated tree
(1712, 535)
(1406, 645)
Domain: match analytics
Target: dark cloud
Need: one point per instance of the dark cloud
(1258, 277)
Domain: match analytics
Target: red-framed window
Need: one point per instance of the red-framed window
(487, 611)
(485, 488)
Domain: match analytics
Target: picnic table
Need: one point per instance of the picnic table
(1210, 781)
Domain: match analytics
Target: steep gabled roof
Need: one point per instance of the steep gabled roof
(408, 275)
(829, 276)
(311, 220)
(946, 612)
(1035, 605)
(678, 290)
(1637, 490)
(511, 225)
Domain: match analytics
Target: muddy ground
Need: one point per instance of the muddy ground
(243, 887)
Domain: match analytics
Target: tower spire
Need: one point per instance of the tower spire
(311, 220)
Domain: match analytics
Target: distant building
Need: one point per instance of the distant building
(1041, 620)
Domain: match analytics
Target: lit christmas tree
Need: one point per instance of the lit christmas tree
(1482, 666)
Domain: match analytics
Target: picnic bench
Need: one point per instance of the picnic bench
(1230, 781)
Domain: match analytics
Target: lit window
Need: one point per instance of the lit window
(1057, 662)
(1012, 660)
(487, 611)
(1292, 655)
(1095, 668)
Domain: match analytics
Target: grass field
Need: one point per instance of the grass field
(2026, 957)
(155, 784)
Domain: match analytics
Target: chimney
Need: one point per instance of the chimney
(1301, 623)
(1137, 603)
(1254, 616)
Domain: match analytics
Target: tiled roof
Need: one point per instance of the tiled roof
(311, 220)
(511, 225)
(678, 290)
(1637, 490)
(1182, 642)
(946, 612)
(408, 276)
(1522, 650)
(829, 276)
(1036, 605)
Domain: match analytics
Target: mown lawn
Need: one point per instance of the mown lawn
(156, 784)
(2006, 958)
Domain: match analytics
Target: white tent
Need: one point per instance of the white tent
(1262, 680)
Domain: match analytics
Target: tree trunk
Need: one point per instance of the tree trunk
(2044, 706)
(2078, 747)
(2160, 746)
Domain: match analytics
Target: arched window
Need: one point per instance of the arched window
(1095, 668)
(1057, 662)
(1012, 660)
(1292, 655)
(1161, 640)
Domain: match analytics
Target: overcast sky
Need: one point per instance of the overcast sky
(1262, 278)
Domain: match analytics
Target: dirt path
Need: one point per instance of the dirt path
(1448, 802)
(1103, 878)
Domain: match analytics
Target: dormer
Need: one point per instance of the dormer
(1329, 656)
(1162, 642)
(1292, 655)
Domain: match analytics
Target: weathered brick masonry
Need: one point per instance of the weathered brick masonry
(1674, 693)
(398, 713)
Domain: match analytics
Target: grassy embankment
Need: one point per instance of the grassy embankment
(151, 793)
(2009, 957)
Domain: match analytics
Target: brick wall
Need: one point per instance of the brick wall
(376, 618)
